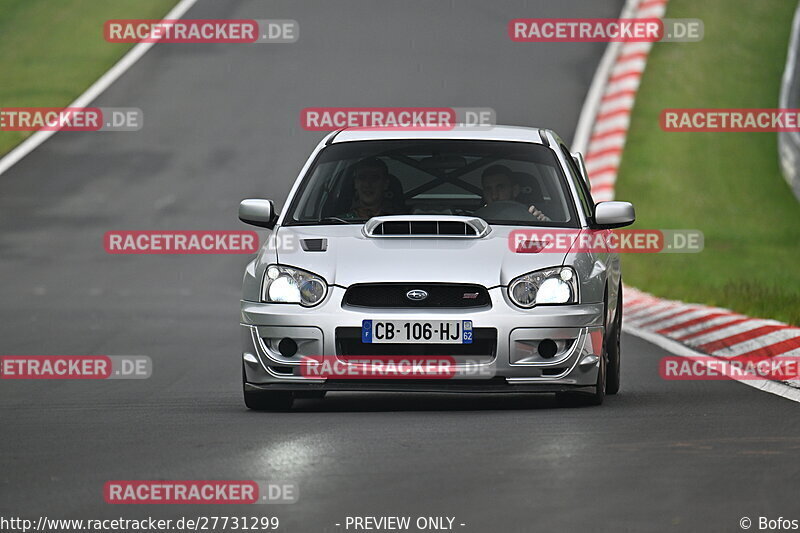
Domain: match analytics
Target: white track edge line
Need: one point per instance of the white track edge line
(676, 348)
(95, 90)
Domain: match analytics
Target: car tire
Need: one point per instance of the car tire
(613, 350)
(266, 400)
(600, 389)
(581, 399)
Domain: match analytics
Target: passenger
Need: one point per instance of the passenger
(534, 195)
(500, 185)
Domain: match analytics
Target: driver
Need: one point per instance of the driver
(500, 185)
(371, 182)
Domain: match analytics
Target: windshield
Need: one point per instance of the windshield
(512, 183)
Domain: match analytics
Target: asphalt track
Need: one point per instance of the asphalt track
(221, 124)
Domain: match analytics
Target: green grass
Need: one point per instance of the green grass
(728, 185)
(52, 50)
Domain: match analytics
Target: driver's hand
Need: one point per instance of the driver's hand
(533, 210)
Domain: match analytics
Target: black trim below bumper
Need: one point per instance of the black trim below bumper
(496, 385)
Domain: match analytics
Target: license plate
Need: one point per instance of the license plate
(425, 332)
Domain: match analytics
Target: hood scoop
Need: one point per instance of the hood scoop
(426, 226)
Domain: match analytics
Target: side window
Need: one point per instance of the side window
(580, 186)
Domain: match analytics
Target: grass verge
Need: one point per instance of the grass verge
(729, 185)
(53, 50)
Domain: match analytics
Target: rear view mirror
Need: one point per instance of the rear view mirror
(609, 215)
(257, 212)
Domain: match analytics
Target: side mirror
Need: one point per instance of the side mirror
(609, 215)
(257, 212)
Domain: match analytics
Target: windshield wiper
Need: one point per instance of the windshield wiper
(336, 219)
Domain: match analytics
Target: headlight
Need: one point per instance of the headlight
(284, 284)
(545, 287)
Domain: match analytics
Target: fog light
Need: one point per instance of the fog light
(287, 347)
(548, 348)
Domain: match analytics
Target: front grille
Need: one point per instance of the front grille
(393, 295)
(484, 344)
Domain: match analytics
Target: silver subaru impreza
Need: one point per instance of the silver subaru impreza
(434, 261)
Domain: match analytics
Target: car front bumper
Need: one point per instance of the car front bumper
(514, 364)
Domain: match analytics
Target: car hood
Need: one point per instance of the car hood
(351, 257)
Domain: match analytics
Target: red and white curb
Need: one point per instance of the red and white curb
(694, 330)
(606, 115)
(691, 330)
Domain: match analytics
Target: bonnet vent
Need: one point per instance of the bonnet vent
(426, 226)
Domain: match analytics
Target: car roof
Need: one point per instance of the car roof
(492, 133)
